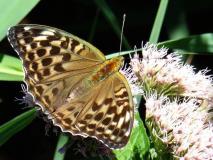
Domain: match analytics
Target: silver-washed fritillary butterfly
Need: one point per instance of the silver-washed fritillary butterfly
(74, 84)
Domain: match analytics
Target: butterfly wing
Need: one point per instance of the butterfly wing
(105, 112)
(49, 50)
(56, 65)
(55, 62)
(27, 37)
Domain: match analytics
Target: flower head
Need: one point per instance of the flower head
(179, 102)
(182, 126)
(165, 73)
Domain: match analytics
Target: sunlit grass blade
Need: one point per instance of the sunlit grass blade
(202, 43)
(110, 16)
(94, 25)
(130, 52)
(15, 125)
(62, 141)
(180, 29)
(10, 68)
(158, 21)
(10, 75)
(138, 143)
(176, 27)
(11, 62)
(12, 12)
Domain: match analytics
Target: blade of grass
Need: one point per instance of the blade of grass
(6, 74)
(15, 125)
(176, 27)
(180, 29)
(11, 62)
(10, 68)
(94, 24)
(62, 141)
(122, 53)
(158, 21)
(110, 16)
(202, 43)
(12, 12)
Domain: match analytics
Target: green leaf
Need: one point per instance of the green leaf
(198, 43)
(12, 12)
(158, 22)
(110, 16)
(10, 68)
(138, 144)
(63, 139)
(15, 125)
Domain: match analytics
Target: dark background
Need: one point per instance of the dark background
(76, 17)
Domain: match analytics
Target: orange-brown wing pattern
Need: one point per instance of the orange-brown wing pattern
(105, 112)
(57, 66)
(50, 58)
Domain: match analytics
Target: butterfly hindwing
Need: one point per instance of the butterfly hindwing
(105, 112)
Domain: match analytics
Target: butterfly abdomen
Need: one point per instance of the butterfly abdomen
(106, 69)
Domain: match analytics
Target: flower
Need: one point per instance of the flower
(165, 73)
(183, 126)
(179, 102)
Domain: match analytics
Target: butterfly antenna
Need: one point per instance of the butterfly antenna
(122, 29)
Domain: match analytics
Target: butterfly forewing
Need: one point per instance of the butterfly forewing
(57, 66)
(47, 52)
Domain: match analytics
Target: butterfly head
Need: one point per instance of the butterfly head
(118, 62)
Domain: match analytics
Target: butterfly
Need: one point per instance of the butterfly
(74, 84)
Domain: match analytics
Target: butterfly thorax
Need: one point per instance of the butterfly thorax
(102, 72)
(106, 69)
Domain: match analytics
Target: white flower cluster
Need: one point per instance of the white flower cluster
(178, 100)
(184, 126)
(168, 69)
